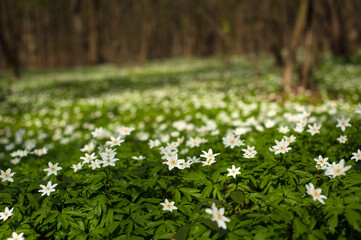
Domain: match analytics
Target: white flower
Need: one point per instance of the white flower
(315, 193)
(15, 153)
(249, 155)
(53, 169)
(88, 148)
(15, 236)
(298, 128)
(187, 164)
(49, 188)
(281, 147)
(15, 161)
(313, 129)
(305, 114)
(180, 140)
(343, 123)
(232, 141)
(335, 170)
(184, 151)
(320, 160)
(41, 151)
(321, 167)
(359, 110)
(76, 167)
(124, 131)
(249, 152)
(208, 162)
(194, 159)
(7, 176)
(356, 155)
(269, 123)
(173, 162)
(218, 216)
(193, 142)
(173, 146)
(108, 152)
(209, 155)
(233, 171)
(138, 158)
(114, 141)
(272, 149)
(95, 164)
(98, 132)
(290, 139)
(342, 139)
(6, 214)
(108, 160)
(241, 131)
(154, 143)
(168, 206)
(283, 129)
(167, 152)
(87, 158)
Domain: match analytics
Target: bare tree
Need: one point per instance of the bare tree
(297, 34)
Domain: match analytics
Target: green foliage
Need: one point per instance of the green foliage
(268, 200)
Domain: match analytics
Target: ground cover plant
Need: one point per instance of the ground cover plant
(184, 149)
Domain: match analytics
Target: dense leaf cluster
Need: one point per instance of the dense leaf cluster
(268, 200)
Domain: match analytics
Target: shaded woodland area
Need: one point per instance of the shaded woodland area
(36, 33)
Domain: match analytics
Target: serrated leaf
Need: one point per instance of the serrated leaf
(191, 191)
(207, 191)
(34, 202)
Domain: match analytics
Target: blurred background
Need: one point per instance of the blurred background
(48, 34)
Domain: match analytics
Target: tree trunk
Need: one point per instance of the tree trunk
(93, 52)
(296, 38)
(339, 41)
(276, 52)
(10, 46)
(305, 72)
(146, 31)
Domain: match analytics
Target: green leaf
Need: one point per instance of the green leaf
(333, 222)
(112, 227)
(34, 202)
(207, 191)
(182, 232)
(215, 175)
(177, 196)
(319, 234)
(353, 218)
(238, 197)
(191, 191)
(64, 222)
(253, 180)
(81, 225)
(265, 181)
(209, 223)
(299, 226)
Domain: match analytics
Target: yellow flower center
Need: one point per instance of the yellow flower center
(316, 194)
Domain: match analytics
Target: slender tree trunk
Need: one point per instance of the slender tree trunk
(307, 61)
(276, 52)
(296, 38)
(339, 37)
(10, 46)
(93, 33)
(146, 31)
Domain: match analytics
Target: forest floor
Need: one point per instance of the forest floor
(184, 148)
